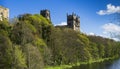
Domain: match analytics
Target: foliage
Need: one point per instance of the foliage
(32, 42)
(5, 52)
(18, 58)
(33, 57)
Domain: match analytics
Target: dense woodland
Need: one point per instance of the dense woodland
(32, 42)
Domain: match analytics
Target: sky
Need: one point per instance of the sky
(97, 17)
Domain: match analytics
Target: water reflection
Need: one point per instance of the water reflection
(111, 64)
(115, 65)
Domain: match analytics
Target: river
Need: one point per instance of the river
(109, 64)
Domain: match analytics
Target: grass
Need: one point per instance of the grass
(77, 64)
(58, 67)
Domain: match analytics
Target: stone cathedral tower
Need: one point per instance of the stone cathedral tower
(45, 13)
(73, 21)
(4, 13)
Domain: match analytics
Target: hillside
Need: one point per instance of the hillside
(32, 42)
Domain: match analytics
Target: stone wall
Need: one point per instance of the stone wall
(4, 13)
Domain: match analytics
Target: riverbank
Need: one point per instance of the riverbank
(78, 64)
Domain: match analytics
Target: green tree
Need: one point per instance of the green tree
(94, 50)
(33, 57)
(101, 49)
(5, 53)
(22, 33)
(18, 58)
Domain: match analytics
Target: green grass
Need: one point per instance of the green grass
(58, 67)
(77, 64)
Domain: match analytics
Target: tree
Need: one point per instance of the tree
(6, 50)
(94, 51)
(22, 33)
(18, 58)
(43, 49)
(101, 50)
(33, 57)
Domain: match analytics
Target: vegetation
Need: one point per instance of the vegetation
(32, 42)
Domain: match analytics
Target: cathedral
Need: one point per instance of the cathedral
(73, 21)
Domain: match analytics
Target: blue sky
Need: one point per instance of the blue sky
(91, 22)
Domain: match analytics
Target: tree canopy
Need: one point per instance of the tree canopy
(32, 42)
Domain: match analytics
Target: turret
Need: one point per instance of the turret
(73, 22)
(4, 13)
(45, 13)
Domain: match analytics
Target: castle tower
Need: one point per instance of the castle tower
(45, 13)
(73, 22)
(4, 13)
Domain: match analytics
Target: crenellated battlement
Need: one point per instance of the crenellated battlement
(73, 21)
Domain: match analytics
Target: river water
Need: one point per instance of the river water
(109, 64)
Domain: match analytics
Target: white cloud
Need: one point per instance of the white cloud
(108, 36)
(111, 9)
(110, 27)
(61, 24)
(111, 31)
(91, 33)
(116, 39)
